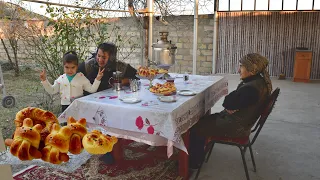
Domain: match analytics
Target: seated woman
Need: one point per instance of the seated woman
(106, 58)
(242, 108)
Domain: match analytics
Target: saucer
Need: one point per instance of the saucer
(130, 100)
(167, 99)
(186, 93)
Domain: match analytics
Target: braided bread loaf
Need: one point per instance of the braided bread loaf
(78, 131)
(38, 116)
(39, 135)
(57, 145)
(26, 140)
(98, 143)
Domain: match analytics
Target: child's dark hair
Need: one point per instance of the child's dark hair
(70, 57)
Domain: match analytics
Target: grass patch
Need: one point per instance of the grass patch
(27, 91)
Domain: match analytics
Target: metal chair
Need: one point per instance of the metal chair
(243, 143)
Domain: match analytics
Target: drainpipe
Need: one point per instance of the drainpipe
(195, 37)
(150, 9)
(215, 37)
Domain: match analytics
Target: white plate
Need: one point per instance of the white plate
(186, 93)
(167, 99)
(130, 100)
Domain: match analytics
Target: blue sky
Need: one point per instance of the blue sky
(206, 6)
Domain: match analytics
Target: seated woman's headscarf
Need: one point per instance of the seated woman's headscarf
(257, 64)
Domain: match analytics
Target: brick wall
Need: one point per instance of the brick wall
(180, 32)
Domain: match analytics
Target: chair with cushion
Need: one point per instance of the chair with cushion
(244, 143)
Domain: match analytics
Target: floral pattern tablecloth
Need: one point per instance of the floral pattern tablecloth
(150, 121)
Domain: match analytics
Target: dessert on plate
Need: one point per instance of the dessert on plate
(167, 88)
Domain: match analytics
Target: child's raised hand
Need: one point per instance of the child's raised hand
(100, 74)
(43, 75)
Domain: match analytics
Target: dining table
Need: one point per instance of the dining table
(148, 118)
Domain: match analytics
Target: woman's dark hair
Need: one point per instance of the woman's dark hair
(107, 47)
(70, 57)
(110, 48)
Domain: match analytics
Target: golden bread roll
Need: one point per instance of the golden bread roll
(26, 140)
(38, 116)
(78, 131)
(164, 89)
(148, 72)
(153, 89)
(98, 143)
(57, 145)
(163, 71)
(153, 72)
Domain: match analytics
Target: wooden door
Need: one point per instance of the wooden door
(302, 67)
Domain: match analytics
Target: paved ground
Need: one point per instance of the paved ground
(288, 147)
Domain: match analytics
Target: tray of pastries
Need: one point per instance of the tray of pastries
(39, 139)
(150, 73)
(165, 89)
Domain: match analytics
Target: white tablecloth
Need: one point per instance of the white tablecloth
(150, 121)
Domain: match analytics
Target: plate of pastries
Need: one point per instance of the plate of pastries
(150, 73)
(38, 135)
(166, 89)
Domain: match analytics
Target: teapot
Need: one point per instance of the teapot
(116, 80)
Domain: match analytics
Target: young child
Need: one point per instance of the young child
(71, 84)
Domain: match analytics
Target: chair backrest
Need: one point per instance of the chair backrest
(265, 113)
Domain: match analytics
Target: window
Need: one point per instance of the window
(223, 5)
(261, 4)
(275, 5)
(305, 4)
(290, 4)
(264, 5)
(235, 5)
(248, 5)
(316, 4)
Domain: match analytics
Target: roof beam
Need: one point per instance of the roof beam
(83, 7)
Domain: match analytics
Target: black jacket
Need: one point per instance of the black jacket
(90, 69)
(249, 98)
